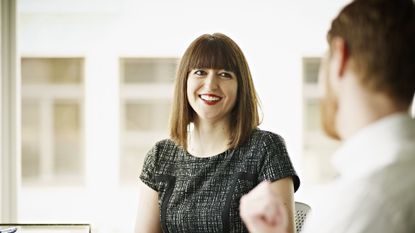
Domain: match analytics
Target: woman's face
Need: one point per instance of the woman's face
(212, 93)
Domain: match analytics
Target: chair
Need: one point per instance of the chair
(301, 212)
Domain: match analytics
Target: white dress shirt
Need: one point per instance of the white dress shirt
(375, 191)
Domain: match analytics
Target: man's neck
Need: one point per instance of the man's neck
(361, 108)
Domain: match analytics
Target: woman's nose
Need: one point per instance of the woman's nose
(211, 81)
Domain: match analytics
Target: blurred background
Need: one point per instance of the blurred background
(95, 89)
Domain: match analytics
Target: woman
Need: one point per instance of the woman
(193, 181)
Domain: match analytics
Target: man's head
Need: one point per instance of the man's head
(375, 39)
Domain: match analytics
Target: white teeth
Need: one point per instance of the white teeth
(209, 98)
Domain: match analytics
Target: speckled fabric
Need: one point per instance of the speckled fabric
(202, 194)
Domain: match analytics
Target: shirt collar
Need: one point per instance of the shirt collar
(374, 146)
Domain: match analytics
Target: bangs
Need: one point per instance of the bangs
(213, 54)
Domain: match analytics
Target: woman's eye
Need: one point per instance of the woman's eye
(225, 75)
(199, 72)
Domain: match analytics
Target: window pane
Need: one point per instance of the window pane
(312, 120)
(51, 70)
(317, 147)
(145, 123)
(311, 66)
(30, 140)
(147, 116)
(68, 162)
(148, 70)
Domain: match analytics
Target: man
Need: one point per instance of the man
(369, 81)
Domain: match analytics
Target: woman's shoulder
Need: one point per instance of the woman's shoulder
(260, 136)
(262, 140)
(167, 142)
(163, 153)
(165, 145)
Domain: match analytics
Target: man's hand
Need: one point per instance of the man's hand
(262, 211)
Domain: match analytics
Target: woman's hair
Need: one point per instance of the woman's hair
(216, 51)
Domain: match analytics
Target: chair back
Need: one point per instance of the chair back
(301, 212)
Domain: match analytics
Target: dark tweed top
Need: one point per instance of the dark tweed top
(202, 194)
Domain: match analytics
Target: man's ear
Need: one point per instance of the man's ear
(340, 54)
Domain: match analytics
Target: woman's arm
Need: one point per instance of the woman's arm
(269, 207)
(148, 214)
(284, 189)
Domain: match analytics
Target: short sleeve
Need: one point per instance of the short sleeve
(149, 168)
(276, 162)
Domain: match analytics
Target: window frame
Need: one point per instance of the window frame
(10, 117)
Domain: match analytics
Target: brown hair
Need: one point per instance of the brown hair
(216, 51)
(380, 38)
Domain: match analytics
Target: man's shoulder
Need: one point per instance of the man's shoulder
(380, 202)
(395, 180)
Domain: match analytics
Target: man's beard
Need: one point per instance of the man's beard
(328, 109)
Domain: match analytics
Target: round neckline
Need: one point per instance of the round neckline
(221, 154)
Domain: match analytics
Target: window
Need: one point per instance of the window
(52, 121)
(146, 92)
(317, 147)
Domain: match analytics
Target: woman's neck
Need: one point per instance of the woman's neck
(208, 139)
